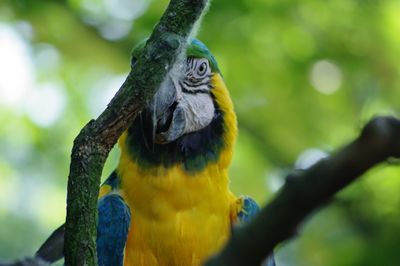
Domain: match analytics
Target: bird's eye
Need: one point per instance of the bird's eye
(202, 69)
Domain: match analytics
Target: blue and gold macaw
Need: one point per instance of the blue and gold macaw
(168, 202)
(169, 197)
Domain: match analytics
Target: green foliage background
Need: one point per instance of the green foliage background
(304, 76)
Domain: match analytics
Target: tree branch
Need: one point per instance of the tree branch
(94, 142)
(304, 192)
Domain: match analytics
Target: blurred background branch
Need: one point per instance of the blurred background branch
(305, 191)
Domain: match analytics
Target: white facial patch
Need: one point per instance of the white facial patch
(198, 109)
(183, 104)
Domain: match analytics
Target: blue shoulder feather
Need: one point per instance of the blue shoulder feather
(112, 230)
(247, 211)
(249, 208)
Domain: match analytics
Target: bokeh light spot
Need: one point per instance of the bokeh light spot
(126, 9)
(100, 95)
(16, 69)
(45, 104)
(47, 57)
(309, 157)
(326, 77)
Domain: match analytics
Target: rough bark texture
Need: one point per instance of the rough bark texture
(305, 191)
(92, 145)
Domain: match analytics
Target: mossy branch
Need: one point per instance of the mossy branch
(94, 142)
(305, 191)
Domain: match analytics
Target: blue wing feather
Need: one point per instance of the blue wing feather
(248, 209)
(112, 230)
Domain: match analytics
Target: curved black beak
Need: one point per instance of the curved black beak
(168, 118)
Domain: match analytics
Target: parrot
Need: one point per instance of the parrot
(168, 202)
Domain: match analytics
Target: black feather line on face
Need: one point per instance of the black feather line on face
(195, 85)
(195, 91)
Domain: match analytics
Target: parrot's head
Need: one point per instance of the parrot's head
(190, 120)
